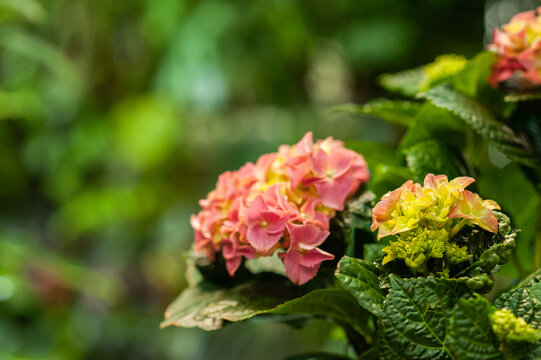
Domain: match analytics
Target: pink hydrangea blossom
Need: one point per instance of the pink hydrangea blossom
(518, 46)
(281, 203)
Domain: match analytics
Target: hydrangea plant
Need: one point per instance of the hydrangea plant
(419, 244)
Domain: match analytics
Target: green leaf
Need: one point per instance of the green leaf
(484, 123)
(432, 157)
(360, 278)
(475, 74)
(35, 48)
(415, 319)
(406, 82)
(208, 306)
(519, 198)
(524, 303)
(371, 354)
(372, 252)
(385, 350)
(317, 355)
(535, 354)
(531, 279)
(336, 304)
(394, 111)
(433, 123)
(385, 177)
(375, 153)
(30, 9)
(470, 335)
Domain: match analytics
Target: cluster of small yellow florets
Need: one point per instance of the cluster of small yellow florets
(506, 324)
(424, 219)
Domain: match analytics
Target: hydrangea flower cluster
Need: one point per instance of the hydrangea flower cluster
(424, 219)
(506, 324)
(518, 45)
(282, 202)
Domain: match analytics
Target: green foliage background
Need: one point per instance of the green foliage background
(117, 116)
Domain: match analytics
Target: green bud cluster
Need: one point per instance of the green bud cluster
(419, 245)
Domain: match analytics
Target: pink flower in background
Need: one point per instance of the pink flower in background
(518, 46)
(281, 203)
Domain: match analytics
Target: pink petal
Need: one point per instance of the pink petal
(463, 181)
(319, 162)
(233, 264)
(261, 240)
(263, 165)
(297, 172)
(383, 209)
(305, 145)
(308, 234)
(252, 211)
(333, 192)
(470, 206)
(300, 268)
(314, 257)
(340, 161)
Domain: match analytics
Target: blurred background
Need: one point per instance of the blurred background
(117, 116)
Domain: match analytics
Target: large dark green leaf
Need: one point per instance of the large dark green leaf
(512, 190)
(470, 334)
(360, 278)
(434, 123)
(336, 304)
(432, 157)
(535, 354)
(385, 349)
(484, 123)
(209, 307)
(531, 279)
(394, 111)
(524, 303)
(415, 319)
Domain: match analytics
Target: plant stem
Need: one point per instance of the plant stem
(457, 228)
